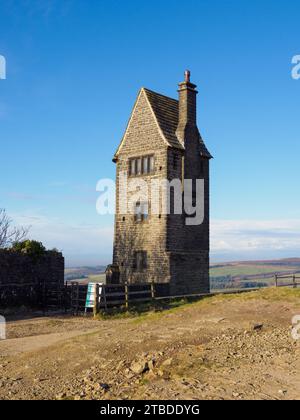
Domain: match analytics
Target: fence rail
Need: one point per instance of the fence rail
(72, 296)
(295, 281)
(122, 295)
(107, 298)
(110, 296)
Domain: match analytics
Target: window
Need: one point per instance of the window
(145, 211)
(151, 164)
(133, 167)
(141, 166)
(140, 260)
(146, 167)
(141, 212)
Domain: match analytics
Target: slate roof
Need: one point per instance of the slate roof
(167, 115)
(166, 112)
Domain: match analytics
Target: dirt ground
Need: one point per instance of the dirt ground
(227, 347)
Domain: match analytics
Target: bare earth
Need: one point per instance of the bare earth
(226, 347)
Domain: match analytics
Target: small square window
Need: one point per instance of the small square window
(141, 212)
(138, 212)
(140, 261)
(145, 211)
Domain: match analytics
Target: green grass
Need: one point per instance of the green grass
(140, 313)
(97, 278)
(93, 278)
(271, 294)
(158, 310)
(248, 270)
(274, 294)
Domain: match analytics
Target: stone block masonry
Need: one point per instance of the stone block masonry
(25, 275)
(162, 248)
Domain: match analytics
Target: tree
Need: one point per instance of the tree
(10, 234)
(33, 248)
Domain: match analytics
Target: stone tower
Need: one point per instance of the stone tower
(162, 144)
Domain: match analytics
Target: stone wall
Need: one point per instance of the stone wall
(188, 246)
(19, 269)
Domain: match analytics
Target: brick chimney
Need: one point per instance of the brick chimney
(187, 108)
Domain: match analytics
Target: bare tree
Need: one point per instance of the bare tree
(10, 234)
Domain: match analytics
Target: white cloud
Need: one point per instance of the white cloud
(255, 235)
(81, 243)
(85, 243)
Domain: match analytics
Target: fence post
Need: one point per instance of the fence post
(65, 297)
(152, 290)
(104, 296)
(294, 282)
(77, 299)
(276, 280)
(126, 296)
(96, 300)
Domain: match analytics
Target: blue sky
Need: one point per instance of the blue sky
(73, 72)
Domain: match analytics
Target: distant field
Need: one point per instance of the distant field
(86, 274)
(247, 270)
(242, 274)
(98, 278)
(251, 274)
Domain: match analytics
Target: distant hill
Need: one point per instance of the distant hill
(285, 261)
(235, 274)
(245, 274)
(84, 274)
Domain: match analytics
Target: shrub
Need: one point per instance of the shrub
(31, 248)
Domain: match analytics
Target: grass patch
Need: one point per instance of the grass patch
(250, 269)
(274, 294)
(269, 294)
(184, 368)
(143, 312)
(163, 309)
(144, 382)
(156, 310)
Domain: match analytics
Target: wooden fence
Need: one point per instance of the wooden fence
(287, 281)
(108, 296)
(112, 296)
(72, 296)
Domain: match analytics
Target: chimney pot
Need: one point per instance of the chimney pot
(187, 107)
(187, 76)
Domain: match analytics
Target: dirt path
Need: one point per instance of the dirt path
(233, 347)
(16, 346)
